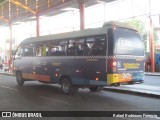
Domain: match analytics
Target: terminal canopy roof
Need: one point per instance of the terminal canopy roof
(12, 11)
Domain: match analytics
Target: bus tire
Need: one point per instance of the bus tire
(67, 88)
(96, 89)
(117, 84)
(100, 88)
(20, 80)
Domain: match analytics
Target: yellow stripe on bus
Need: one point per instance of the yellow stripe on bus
(117, 78)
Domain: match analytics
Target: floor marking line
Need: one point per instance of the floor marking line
(9, 88)
(55, 100)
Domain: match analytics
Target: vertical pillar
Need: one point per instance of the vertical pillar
(10, 48)
(104, 12)
(159, 19)
(159, 25)
(72, 20)
(5, 49)
(37, 25)
(152, 46)
(82, 18)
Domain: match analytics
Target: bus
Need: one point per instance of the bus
(92, 58)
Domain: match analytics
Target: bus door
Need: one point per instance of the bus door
(18, 61)
(40, 69)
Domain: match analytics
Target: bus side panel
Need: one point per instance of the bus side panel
(31, 68)
(82, 71)
(86, 71)
(24, 65)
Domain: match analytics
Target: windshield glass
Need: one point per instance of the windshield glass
(128, 42)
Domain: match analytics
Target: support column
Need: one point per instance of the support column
(10, 48)
(37, 25)
(5, 49)
(152, 46)
(159, 19)
(159, 24)
(82, 18)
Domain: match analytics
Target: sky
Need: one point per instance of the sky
(95, 16)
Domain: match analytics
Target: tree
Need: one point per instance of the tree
(156, 38)
(140, 26)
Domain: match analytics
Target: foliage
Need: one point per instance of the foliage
(156, 38)
(140, 26)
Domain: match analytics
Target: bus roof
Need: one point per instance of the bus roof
(80, 33)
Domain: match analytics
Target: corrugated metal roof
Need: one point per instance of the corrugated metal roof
(23, 10)
(14, 10)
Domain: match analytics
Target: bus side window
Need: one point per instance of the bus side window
(72, 48)
(85, 48)
(76, 47)
(58, 48)
(28, 50)
(44, 50)
(89, 43)
(38, 50)
(98, 47)
(19, 52)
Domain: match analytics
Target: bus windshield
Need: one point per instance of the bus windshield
(128, 42)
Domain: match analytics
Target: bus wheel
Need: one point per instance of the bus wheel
(96, 89)
(19, 78)
(116, 84)
(67, 87)
(131, 83)
(100, 88)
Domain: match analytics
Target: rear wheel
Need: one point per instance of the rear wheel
(117, 84)
(67, 87)
(131, 83)
(96, 89)
(20, 80)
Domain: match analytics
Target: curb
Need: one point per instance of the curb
(7, 74)
(152, 74)
(132, 92)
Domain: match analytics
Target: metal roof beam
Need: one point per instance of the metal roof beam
(23, 6)
(3, 2)
(1, 17)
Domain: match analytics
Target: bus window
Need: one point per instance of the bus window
(44, 51)
(19, 52)
(28, 50)
(76, 47)
(58, 48)
(38, 50)
(41, 49)
(85, 48)
(128, 42)
(97, 45)
(72, 48)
